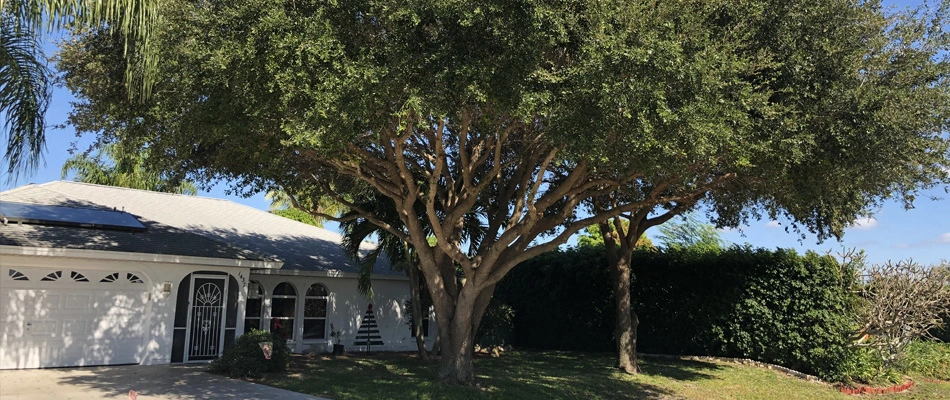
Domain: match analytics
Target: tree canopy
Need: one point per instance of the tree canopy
(25, 81)
(689, 232)
(117, 165)
(592, 237)
(514, 114)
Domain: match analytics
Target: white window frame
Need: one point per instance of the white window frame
(296, 314)
(261, 294)
(304, 317)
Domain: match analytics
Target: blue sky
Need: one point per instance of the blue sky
(921, 233)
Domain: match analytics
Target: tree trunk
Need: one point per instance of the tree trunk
(458, 338)
(618, 260)
(416, 300)
(456, 366)
(627, 321)
(436, 345)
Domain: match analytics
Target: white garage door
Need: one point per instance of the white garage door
(64, 317)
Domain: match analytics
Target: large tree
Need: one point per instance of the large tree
(25, 84)
(812, 111)
(516, 113)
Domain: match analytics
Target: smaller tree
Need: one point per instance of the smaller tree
(402, 257)
(690, 232)
(307, 208)
(123, 165)
(902, 302)
(593, 237)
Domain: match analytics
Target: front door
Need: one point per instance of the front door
(206, 317)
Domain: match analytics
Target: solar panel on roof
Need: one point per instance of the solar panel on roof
(69, 216)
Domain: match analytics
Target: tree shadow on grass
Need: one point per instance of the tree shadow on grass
(592, 375)
(515, 375)
(681, 370)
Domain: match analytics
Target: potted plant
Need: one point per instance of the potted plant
(337, 340)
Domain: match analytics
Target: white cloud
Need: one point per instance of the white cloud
(773, 224)
(926, 243)
(864, 224)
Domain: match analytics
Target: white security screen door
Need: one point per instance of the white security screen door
(206, 317)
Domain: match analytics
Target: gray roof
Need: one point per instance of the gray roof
(183, 225)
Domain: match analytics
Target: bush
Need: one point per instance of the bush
(246, 360)
(561, 300)
(772, 306)
(901, 302)
(930, 359)
(942, 332)
(865, 367)
(497, 326)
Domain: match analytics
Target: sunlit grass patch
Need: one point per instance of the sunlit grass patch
(555, 375)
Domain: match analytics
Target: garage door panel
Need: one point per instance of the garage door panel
(72, 323)
(42, 328)
(78, 301)
(76, 329)
(12, 329)
(118, 327)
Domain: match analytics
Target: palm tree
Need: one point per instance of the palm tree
(25, 80)
(123, 167)
(400, 254)
(303, 208)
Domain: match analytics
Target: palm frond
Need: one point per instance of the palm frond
(25, 93)
(24, 79)
(124, 167)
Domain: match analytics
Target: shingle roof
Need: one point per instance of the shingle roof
(159, 239)
(199, 226)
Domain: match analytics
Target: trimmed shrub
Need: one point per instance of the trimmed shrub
(561, 300)
(246, 360)
(772, 306)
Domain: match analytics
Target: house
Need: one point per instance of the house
(99, 275)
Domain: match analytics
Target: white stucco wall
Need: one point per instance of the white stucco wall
(155, 271)
(347, 307)
(153, 331)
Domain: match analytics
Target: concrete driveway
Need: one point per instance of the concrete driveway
(152, 382)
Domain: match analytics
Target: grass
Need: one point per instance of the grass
(556, 375)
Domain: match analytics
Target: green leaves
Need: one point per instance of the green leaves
(25, 93)
(117, 165)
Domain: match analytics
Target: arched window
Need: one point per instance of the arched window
(255, 306)
(283, 310)
(315, 312)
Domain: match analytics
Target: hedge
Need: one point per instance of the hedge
(773, 306)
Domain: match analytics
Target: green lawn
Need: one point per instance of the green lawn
(556, 375)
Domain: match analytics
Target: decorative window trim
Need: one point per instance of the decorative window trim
(117, 277)
(18, 276)
(77, 277)
(52, 276)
